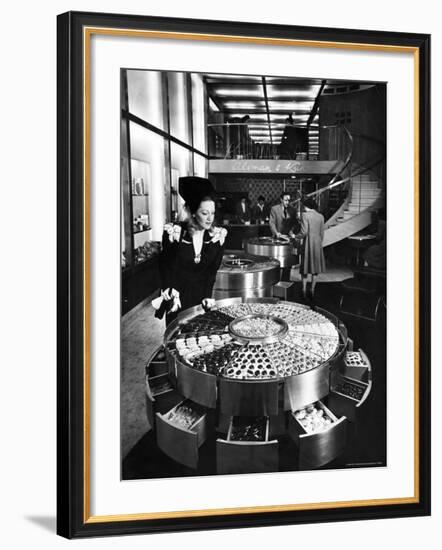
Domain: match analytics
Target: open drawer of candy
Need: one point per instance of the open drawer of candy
(247, 447)
(182, 430)
(160, 396)
(249, 429)
(357, 366)
(319, 435)
(347, 395)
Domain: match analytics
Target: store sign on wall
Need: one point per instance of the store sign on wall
(272, 166)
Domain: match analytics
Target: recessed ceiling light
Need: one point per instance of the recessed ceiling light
(239, 105)
(275, 91)
(236, 92)
(290, 106)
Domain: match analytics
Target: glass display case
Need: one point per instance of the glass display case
(162, 139)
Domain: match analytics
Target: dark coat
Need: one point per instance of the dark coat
(376, 255)
(312, 254)
(241, 216)
(178, 270)
(260, 215)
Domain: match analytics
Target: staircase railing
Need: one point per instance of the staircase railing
(335, 181)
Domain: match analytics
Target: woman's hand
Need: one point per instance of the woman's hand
(208, 303)
(174, 295)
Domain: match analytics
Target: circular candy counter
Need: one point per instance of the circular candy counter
(245, 275)
(250, 372)
(280, 249)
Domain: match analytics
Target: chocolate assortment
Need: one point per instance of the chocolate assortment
(313, 418)
(248, 429)
(191, 348)
(215, 361)
(185, 414)
(260, 308)
(256, 340)
(210, 320)
(289, 360)
(237, 310)
(354, 359)
(350, 389)
(252, 362)
(315, 345)
(257, 326)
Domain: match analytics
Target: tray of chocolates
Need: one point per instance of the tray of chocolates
(290, 360)
(210, 320)
(185, 414)
(355, 359)
(213, 362)
(237, 310)
(314, 418)
(248, 429)
(323, 347)
(256, 340)
(192, 347)
(350, 389)
(251, 362)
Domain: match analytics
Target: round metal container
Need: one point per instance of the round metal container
(280, 249)
(246, 276)
(281, 329)
(279, 350)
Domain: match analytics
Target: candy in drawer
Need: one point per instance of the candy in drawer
(160, 396)
(247, 447)
(319, 435)
(182, 430)
(347, 396)
(357, 366)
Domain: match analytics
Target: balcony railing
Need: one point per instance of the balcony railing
(275, 141)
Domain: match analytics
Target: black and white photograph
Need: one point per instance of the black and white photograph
(253, 274)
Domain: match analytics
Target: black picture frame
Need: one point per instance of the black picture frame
(73, 517)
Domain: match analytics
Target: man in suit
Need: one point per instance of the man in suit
(282, 217)
(282, 222)
(243, 213)
(260, 212)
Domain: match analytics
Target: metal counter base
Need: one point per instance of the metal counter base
(239, 422)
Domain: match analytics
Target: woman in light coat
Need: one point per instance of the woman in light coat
(312, 254)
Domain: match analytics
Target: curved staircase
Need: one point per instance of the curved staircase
(365, 195)
(365, 191)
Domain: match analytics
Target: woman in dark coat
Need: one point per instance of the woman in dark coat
(376, 255)
(312, 254)
(192, 251)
